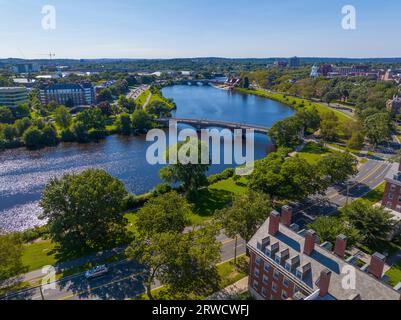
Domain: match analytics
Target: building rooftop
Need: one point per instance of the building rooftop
(366, 286)
(394, 175)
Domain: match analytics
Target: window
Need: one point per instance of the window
(277, 259)
(274, 287)
(266, 267)
(299, 274)
(296, 289)
(264, 292)
(288, 266)
(258, 260)
(284, 295)
(392, 188)
(256, 273)
(265, 279)
(390, 196)
(255, 284)
(276, 274)
(286, 282)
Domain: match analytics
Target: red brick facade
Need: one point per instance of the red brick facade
(268, 282)
(392, 196)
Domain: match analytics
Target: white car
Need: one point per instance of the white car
(96, 272)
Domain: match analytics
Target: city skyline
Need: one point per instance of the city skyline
(159, 30)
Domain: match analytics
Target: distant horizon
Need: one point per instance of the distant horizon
(208, 57)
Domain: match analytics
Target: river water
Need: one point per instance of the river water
(23, 173)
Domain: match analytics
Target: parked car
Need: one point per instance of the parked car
(96, 272)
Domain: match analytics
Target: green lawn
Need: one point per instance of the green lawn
(228, 274)
(143, 97)
(394, 274)
(216, 197)
(375, 195)
(39, 254)
(295, 102)
(313, 152)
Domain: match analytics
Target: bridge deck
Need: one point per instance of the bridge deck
(216, 123)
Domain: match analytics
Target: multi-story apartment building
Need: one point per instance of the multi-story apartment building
(13, 96)
(392, 191)
(290, 265)
(75, 94)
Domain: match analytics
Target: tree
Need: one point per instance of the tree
(309, 118)
(9, 132)
(85, 211)
(378, 127)
(159, 108)
(125, 103)
(285, 178)
(104, 95)
(192, 174)
(21, 125)
(245, 84)
(356, 141)
(165, 213)
(184, 263)
(244, 217)
(329, 127)
(373, 223)
(22, 111)
(337, 167)
(49, 136)
(62, 117)
(32, 138)
(141, 120)
(328, 228)
(124, 124)
(6, 115)
(287, 132)
(11, 250)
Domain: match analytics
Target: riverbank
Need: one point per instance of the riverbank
(294, 102)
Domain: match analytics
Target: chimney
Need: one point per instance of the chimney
(376, 266)
(286, 216)
(274, 223)
(310, 239)
(341, 246)
(324, 282)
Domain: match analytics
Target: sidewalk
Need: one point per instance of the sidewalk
(231, 291)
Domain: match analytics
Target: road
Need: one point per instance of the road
(124, 281)
(370, 175)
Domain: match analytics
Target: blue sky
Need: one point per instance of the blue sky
(189, 28)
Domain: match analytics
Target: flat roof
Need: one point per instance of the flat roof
(368, 287)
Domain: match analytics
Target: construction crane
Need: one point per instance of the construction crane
(50, 55)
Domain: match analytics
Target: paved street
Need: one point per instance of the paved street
(124, 281)
(370, 175)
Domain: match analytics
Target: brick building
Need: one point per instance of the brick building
(394, 105)
(290, 265)
(392, 191)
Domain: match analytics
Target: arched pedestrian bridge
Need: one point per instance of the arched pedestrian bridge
(204, 123)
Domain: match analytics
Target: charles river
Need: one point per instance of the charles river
(23, 174)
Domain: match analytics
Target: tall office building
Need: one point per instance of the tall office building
(13, 96)
(295, 62)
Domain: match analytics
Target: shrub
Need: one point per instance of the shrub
(226, 174)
